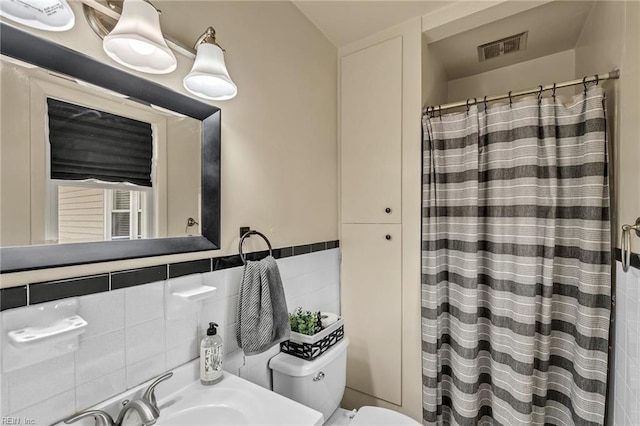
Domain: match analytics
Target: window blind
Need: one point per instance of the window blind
(90, 144)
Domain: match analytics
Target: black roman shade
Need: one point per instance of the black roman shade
(90, 144)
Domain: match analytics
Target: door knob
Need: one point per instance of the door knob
(387, 210)
(388, 237)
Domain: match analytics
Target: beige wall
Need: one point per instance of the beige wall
(183, 175)
(611, 39)
(15, 227)
(279, 150)
(434, 78)
(548, 69)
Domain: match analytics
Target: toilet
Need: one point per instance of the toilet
(319, 384)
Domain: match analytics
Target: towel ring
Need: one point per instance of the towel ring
(243, 257)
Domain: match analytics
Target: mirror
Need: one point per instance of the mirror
(91, 178)
(47, 86)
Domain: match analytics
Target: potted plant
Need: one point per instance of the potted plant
(309, 339)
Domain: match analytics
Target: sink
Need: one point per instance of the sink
(233, 401)
(209, 415)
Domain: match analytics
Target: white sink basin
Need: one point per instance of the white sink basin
(233, 401)
(183, 401)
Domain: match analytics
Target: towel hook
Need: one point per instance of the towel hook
(190, 222)
(243, 257)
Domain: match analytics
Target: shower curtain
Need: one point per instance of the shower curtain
(516, 264)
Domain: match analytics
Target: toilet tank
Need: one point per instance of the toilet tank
(318, 384)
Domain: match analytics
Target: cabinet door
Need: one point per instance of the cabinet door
(371, 108)
(372, 309)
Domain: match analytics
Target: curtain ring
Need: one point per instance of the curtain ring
(584, 83)
(485, 103)
(540, 95)
(468, 105)
(440, 112)
(554, 92)
(597, 79)
(510, 99)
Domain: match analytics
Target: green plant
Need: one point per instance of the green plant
(305, 322)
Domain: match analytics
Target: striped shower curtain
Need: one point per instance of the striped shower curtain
(516, 264)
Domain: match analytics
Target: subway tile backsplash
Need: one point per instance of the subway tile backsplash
(129, 339)
(624, 401)
(43, 292)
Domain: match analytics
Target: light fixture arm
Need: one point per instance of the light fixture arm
(209, 36)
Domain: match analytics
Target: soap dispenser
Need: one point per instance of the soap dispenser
(211, 356)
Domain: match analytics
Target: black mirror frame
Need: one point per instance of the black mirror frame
(28, 48)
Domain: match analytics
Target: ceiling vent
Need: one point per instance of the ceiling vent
(503, 46)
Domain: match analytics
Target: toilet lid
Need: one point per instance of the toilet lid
(369, 416)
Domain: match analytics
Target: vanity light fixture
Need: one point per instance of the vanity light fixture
(47, 15)
(137, 41)
(138, 32)
(209, 78)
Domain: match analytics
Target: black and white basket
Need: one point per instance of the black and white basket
(311, 347)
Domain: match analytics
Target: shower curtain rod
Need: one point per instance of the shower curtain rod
(615, 74)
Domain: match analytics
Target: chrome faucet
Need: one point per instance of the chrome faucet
(148, 415)
(146, 408)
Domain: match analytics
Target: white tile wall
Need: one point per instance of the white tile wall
(129, 340)
(625, 398)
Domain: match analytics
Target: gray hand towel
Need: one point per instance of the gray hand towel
(263, 318)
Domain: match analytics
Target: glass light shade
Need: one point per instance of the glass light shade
(209, 77)
(47, 15)
(137, 42)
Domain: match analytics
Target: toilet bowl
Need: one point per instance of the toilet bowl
(320, 384)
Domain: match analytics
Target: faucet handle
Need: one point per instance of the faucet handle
(150, 395)
(101, 418)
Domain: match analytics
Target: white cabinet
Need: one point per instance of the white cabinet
(371, 133)
(371, 233)
(372, 308)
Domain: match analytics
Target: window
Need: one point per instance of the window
(126, 213)
(100, 181)
(91, 212)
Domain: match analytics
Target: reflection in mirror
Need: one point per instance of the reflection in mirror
(24, 161)
(84, 164)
